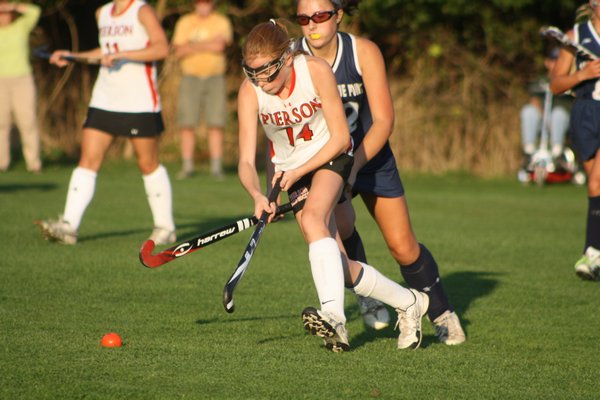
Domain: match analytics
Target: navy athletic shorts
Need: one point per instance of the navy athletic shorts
(585, 128)
(130, 125)
(384, 181)
(298, 192)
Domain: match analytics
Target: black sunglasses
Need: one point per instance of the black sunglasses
(318, 18)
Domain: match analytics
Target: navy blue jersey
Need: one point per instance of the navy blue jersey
(586, 36)
(380, 175)
(352, 91)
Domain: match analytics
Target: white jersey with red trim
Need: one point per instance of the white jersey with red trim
(128, 86)
(295, 126)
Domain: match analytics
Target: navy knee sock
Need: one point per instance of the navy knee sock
(424, 276)
(354, 247)
(592, 235)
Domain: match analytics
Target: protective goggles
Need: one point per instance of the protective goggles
(266, 72)
(318, 18)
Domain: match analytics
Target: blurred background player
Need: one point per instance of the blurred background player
(532, 118)
(361, 76)
(125, 102)
(200, 40)
(17, 89)
(585, 124)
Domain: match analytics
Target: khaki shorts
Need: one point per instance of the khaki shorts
(202, 97)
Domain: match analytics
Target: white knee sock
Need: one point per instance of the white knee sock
(328, 275)
(81, 191)
(158, 190)
(375, 285)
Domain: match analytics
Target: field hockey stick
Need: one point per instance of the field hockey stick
(558, 35)
(248, 252)
(40, 53)
(189, 246)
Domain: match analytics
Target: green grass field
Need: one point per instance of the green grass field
(505, 251)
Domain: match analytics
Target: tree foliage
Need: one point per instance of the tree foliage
(502, 31)
(471, 58)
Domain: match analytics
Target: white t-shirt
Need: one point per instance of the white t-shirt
(129, 86)
(295, 126)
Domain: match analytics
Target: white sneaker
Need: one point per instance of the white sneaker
(325, 325)
(448, 329)
(374, 313)
(162, 236)
(588, 266)
(409, 321)
(58, 231)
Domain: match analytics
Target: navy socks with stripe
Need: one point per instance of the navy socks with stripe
(424, 276)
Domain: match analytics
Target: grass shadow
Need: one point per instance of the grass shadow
(109, 234)
(243, 319)
(18, 187)
(463, 288)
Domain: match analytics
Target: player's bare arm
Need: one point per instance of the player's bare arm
(561, 78)
(380, 100)
(248, 132)
(59, 57)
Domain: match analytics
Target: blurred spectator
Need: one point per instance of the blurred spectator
(200, 40)
(532, 115)
(17, 89)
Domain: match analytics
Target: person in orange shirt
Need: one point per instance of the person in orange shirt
(200, 40)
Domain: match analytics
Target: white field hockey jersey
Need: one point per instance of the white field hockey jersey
(295, 126)
(128, 86)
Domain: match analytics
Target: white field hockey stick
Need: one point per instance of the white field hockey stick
(555, 33)
(189, 246)
(248, 252)
(41, 53)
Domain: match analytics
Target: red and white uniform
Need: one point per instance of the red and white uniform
(129, 86)
(295, 126)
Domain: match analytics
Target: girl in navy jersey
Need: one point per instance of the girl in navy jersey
(360, 72)
(125, 102)
(295, 98)
(585, 124)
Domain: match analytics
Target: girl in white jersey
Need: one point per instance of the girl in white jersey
(304, 120)
(124, 102)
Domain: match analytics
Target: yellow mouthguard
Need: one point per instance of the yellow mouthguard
(315, 35)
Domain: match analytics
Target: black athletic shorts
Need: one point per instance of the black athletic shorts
(130, 125)
(298, 193)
